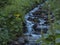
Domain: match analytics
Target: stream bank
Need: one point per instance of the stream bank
(35, 21)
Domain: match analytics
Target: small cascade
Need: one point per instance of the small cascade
(36, 20)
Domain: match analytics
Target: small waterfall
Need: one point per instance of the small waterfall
(32, 19)
(36, 20)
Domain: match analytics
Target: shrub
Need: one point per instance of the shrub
(11, 18)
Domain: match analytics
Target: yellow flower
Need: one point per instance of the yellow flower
(17, 15)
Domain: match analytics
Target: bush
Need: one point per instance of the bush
(11, 18)
(10, 28)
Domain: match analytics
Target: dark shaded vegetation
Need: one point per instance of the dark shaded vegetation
(12, 17)
(12, 14)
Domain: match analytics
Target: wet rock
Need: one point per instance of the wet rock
(47, 23)
(36, 20)
(36, 29)
(37, 33)
(52, 17)
(34, 26)
(33, 43)
(29, 19)
(52, 20)
(23, 40)
(43, 14)
(45, 30)
(13, 43)
(37, 13)
(46, 19)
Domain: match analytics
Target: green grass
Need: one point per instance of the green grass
(57, 35)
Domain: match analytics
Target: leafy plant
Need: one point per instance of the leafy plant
(12, 14)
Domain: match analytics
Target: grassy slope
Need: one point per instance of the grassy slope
(55, 6)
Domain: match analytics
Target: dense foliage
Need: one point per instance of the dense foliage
(11, 18)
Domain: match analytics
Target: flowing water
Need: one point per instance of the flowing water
(36, 20)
